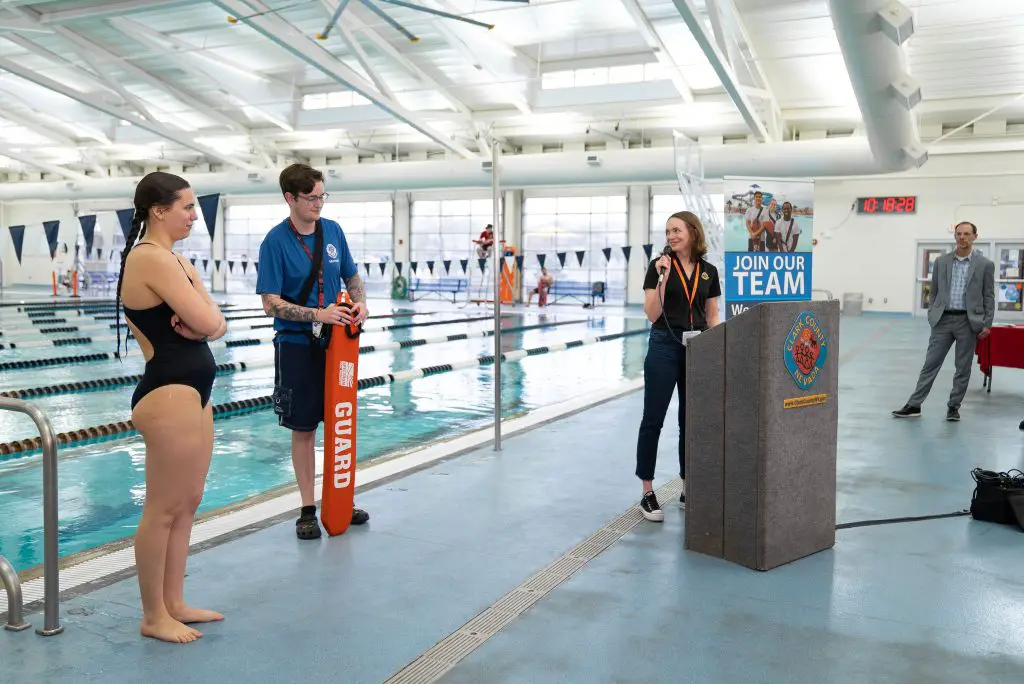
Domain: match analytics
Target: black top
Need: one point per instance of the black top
(676, 308)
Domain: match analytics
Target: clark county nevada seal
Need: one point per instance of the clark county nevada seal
(806, 350)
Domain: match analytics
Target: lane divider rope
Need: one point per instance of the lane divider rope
(222, 344)
(122, 429)
(27, 333)
(102, 384)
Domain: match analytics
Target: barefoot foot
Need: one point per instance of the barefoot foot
(187, 614)
(169, 629)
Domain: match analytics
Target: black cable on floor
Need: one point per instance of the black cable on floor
(890, 521)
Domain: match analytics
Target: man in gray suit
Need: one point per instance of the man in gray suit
(962, 308)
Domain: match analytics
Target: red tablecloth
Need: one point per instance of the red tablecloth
(1004, 347)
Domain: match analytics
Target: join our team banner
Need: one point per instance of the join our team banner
(768, 239)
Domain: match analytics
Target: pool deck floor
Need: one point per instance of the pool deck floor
(934, 601)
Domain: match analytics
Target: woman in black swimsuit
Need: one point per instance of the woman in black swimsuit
(172, 316)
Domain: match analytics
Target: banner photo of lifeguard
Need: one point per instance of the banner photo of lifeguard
(768, 215)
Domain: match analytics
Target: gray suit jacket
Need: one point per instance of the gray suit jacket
(980, 298)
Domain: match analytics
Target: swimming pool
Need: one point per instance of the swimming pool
(102, 485)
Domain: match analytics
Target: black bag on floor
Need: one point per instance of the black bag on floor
(998, 497)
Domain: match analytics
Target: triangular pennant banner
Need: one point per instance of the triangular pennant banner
(561, 258)
(430, 267)
(464, 263)
(625, 252)
(398, 266)
(193, 260)
(99, 252)
(607, 253)
(245, 265)
(447, 266)
(208, 205)
(519, 262)
(51, 228)
(483, 264)
(366, 265)
(382, 267)
(412, 266)
(206, 262)
(216, 264)
(18, 238)
(541, 258)
(231, 266)
(647, 250)
(256, 265)
(579, 256)
(89, 231)
(124, 217)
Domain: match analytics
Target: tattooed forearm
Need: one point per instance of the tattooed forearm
(278, 308)
(355, 288)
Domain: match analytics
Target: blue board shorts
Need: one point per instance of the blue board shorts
(299, 370)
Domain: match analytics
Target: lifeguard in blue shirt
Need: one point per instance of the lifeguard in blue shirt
(301, 298)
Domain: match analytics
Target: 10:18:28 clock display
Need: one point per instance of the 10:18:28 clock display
(887, 205)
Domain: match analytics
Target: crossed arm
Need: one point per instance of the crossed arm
(274, 306)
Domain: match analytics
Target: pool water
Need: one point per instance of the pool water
(102, 486)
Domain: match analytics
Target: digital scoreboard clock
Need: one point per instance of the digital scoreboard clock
(887, 205)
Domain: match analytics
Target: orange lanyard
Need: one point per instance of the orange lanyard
(686, 288)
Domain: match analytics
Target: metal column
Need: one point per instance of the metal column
(498, 250)
(51, 579)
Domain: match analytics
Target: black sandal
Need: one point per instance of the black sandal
(307, 527)
(359, 516)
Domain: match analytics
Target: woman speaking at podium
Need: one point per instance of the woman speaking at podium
(681, 293)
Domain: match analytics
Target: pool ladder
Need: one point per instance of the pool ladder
(51, 579)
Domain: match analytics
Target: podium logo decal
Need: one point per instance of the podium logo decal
(806, 350)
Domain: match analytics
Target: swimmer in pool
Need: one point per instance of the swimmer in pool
(172, 316)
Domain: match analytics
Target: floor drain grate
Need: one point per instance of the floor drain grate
(446, 654)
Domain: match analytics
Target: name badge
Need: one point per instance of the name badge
(689, 335)
(318, 328)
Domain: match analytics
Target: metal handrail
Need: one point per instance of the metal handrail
(51, 571)
(15, 621)
(828, 293)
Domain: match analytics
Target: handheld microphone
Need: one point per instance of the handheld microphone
(661, 269)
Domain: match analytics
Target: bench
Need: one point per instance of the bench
(99, 276)
(437, 286)
(577, 290)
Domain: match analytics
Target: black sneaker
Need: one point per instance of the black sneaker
(359, 516)
(953, 415)
(908, 411)
(307, 526)
(650, 508)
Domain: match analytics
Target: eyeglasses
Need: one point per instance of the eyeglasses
(316, 198)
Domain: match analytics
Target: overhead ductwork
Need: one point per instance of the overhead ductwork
(817, 158)
(870, 33)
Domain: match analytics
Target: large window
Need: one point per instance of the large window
(571, 224)
(245, 226)
(446, 229)
(663, 206)
(367, 227)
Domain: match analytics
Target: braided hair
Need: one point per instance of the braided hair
(157, 189)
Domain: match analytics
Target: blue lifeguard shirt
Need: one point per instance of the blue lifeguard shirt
(284, 267)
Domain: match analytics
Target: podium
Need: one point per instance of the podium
(761, 430)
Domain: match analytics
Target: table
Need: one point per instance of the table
(1004, 347)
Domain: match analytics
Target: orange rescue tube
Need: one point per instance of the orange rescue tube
(340, 387)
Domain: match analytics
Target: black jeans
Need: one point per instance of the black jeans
(664, 371)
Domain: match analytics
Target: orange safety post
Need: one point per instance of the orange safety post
(340, 386)
(53, 277)
(508, 276)
(74, 285)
